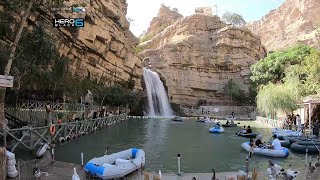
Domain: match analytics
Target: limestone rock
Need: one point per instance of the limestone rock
(293, 22)
(164, 18)
(197, 55)
(104, 48)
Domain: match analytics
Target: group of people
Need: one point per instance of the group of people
(276, 144)
(230, 122)
(293, 122)
(246, 130)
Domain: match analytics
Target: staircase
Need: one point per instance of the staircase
(14, 122)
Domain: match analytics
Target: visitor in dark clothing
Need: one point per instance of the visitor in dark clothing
(249, 130)
(258, 142)
(251, 142)
(316, 128)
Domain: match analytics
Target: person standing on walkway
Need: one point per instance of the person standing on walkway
(298, 119)
(316, 128)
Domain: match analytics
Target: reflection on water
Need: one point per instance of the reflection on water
(162, 140)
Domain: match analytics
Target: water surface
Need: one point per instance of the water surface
(162, 140)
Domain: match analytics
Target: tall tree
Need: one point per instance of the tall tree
(24, 17)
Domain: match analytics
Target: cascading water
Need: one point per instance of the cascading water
(157, 97)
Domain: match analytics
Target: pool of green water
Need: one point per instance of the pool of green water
(162, 140)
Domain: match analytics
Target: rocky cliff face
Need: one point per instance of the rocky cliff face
(197, 55)
(103, 49)
(292, 23)
(164, 18)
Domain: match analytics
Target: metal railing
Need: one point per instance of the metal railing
(271, 122)
(31, 137)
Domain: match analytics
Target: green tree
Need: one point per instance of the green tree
(272, 98)
(234, 91)
(233, 18)
(273, 67)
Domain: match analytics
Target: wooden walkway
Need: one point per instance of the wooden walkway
(31, 138)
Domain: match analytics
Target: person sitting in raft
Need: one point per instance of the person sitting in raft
(249, 130)
(243, 130)
(217, 126)
(227, 122)
(231, 122)
(258, 142)
(251, 142)
(276, 145)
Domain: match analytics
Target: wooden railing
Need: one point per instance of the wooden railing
(31, 137)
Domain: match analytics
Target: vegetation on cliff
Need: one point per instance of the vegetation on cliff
(284, 77)
(30, 54)
(233, 18)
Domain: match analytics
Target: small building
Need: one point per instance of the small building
(204, 10)
(311, 108)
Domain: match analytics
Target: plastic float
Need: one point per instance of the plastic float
(285, 132)
(116, 165)
(75, 175)
(216, 130)
(246, 135)
(204, 120)
(264, 151)
(313, 146)
(42, 150)
(230, 124)
(294, 139)
(230, 118)
(285, 142)
(177, 119)
(11, 165)
(62, 140)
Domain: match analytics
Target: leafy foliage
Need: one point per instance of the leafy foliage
(234, 91)
(273, 67)
(145, 38)
(285, 77)
(233, 18)
(276, 97)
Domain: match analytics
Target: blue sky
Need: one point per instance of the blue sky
(142, 11)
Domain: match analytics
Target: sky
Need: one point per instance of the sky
(142, 11)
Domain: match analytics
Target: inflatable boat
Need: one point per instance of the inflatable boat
(264, 151)
(313, 146)
(204, 120)
(285, 132)
(116, 165)
(250, 135)
(285, 142)
(216, 130)
(229, 125)
(177, 119)
(294, 139)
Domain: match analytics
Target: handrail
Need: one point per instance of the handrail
(30, 137)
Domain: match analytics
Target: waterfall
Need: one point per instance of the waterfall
(158, 104)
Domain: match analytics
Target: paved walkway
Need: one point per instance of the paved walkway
(64, 171)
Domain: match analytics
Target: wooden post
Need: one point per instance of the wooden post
(310, 113)
(31, 139)
(3, 164)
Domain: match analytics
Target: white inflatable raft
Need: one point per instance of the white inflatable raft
(285, 132)
(116, 165)
(264, 151)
